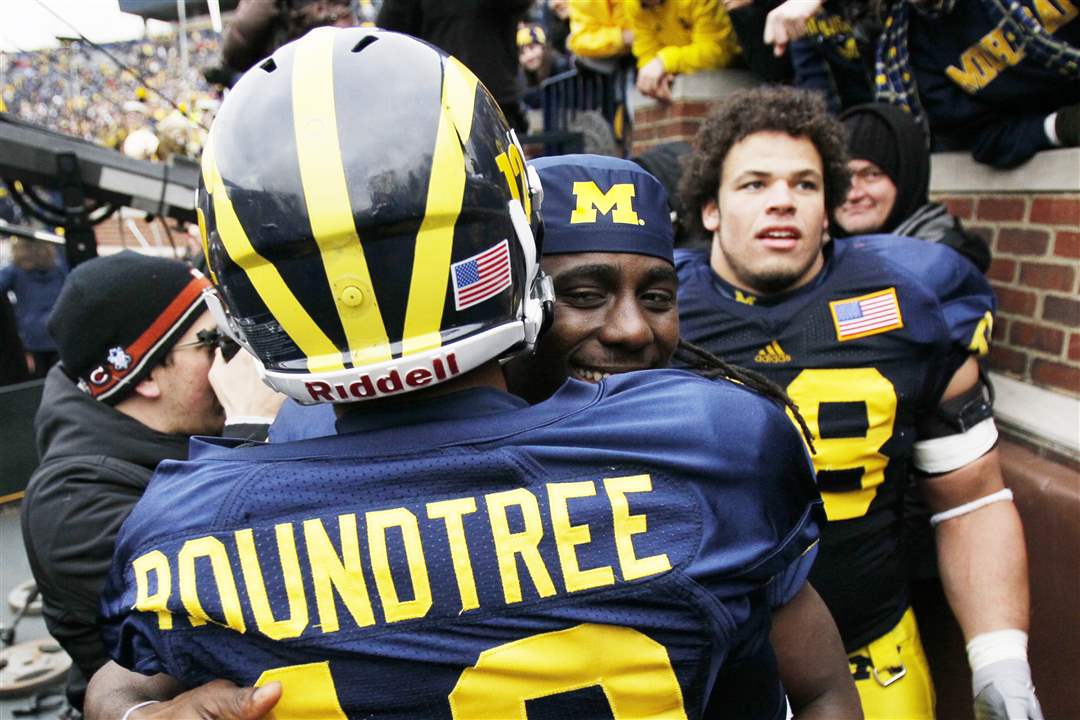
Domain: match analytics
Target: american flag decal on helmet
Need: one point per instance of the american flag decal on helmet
(482, 276)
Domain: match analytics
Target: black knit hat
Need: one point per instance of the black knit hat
(870, 138)
(117, 317)
(889, 137)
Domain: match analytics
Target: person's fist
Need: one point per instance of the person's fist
(651, 80)
(787, 23)
(240, 389)
(216, 700)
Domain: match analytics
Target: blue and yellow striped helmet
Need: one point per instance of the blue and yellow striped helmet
(367, 215)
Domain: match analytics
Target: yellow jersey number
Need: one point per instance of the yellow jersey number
(812, 388)
(632, 669)
(512, 166)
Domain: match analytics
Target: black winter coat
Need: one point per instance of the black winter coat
(96, 464)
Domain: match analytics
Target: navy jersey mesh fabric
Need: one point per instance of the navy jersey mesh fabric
(465, 556)
(860, 383)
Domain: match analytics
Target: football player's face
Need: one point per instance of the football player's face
(187, 399)
(614, 312)
(869, 201)
(769, 220)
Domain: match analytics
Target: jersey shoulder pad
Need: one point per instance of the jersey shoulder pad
(686, 259)
(183, 497)
(748, 462)
(952, 282)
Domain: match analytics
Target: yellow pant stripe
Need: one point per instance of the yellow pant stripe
(327, 196)
(446, 190)
(885, 693)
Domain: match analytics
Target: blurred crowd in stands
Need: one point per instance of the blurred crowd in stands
(1001, 80)
(82, 91)
(942, 61)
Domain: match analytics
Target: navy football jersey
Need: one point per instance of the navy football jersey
(864, 350)
(603, 553)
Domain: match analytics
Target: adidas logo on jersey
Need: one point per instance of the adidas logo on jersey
(772, 353)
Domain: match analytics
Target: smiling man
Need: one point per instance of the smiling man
(608, 249)
(890, 184)
(875, 340)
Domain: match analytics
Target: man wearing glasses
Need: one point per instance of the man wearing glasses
(136, 346)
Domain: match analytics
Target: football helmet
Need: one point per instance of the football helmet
(368, 217)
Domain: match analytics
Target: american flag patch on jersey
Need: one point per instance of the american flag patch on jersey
(482, 276)
(866, 315)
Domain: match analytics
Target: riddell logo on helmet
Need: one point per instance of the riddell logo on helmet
(391, 382)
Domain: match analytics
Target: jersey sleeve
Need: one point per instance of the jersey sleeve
(763, 511)
(140, 608)
(132, 638)
(7, 277)
(963, 298)
(785, 586)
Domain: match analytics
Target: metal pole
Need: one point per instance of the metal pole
(215, 15)
(181, 13)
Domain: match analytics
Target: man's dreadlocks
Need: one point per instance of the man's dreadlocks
(701, 361)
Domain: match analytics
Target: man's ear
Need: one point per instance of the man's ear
(148, 387)
(710, 215)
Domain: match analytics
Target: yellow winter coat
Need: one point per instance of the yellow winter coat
(596, 28)
(688, 35)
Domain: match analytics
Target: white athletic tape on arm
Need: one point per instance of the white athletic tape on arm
(999, 496)
(133, 708)
(945, 454)
(995, 646)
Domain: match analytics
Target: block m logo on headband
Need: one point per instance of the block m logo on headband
(619, 201)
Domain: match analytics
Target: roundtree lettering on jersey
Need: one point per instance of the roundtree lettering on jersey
(171, 580)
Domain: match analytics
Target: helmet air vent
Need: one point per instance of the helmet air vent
(268, 65)
(364, 42)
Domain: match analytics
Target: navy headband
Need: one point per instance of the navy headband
(594, 203)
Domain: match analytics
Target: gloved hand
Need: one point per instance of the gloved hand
(1067, 125)
(1003, 691)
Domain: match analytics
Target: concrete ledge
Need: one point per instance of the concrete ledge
(1049, 418)
(706, 85)
(1049, 171)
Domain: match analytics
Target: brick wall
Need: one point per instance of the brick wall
(656, 124)
(693, 95)
(1035, 273)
